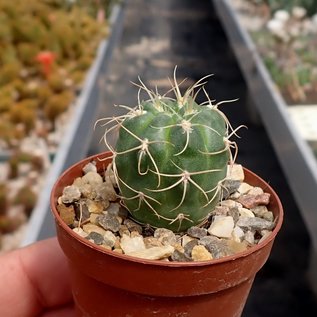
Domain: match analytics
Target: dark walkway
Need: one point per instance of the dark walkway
(159, 34)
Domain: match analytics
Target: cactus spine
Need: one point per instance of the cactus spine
(171, 158)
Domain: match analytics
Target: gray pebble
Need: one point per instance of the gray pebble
(70, 194)
(197, 232)
(234, 213)
(96, 237)
(167, 237)
(109, 222)
(189, 247)
(254, 223)
(217, 247)
(230, 186)
(82, 212)
(178, 256)
(132, 226)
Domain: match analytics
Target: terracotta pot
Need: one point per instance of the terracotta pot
(115, 285)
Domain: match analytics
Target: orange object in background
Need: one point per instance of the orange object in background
(46, 58)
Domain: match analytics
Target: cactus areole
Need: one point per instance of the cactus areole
(171, 158)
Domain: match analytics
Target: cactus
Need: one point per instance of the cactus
(9, 72)
(27, 198)
(57, 104)
(171, 158)
(24, 112)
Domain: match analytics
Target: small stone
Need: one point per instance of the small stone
(268, 216)
(135, 234)
(244, 188)
(87, 191)
(94, 206)
(106, 191)
(94, 218)
(217, 247)
(259, 211)
(236, 247)
(167, 237)
(256, 191)
(221, 211)
(82, 212)
(197, 232)
(151, 242)
(249, 237)
(229, 187)
(123, 230)
(265, 234)
(186, 239)
(89, 227)
(237, 234)
(178, 256)
(188, 247)
(221, 226)
(148, 231)
(109, 239)
(90, 167)
(67, 214)
(155, 253)
(254, 223)
(234, 213)
(70, 194)
(132, 226)
(230, 203)
(78, 182)
(179, 247)
(109, 222)
(131, 245)
(235, 172)
(244, 212)
(200, 253)
(80, 232)
(106, 247)
(92, 178)
(235, 195)
(251, 201)
(113, 209)
(96, 238)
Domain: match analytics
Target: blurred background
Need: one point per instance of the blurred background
(64, 64)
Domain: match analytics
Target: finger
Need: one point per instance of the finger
(36, 278)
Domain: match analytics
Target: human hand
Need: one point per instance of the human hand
(34, 282)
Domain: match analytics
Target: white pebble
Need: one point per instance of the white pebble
(235, 172)
(90, 167)
(249, 237)
(155, 253)
(80, 232)
(237, 234)
(132, 244)
(244, 212)
(222, 226)
(244, 188)
(92, 178)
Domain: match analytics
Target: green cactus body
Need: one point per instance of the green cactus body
(170, 159)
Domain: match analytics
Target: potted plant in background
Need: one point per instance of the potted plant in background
(49, 50)
(192, 229)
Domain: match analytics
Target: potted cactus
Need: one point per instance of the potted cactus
(169, 170)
